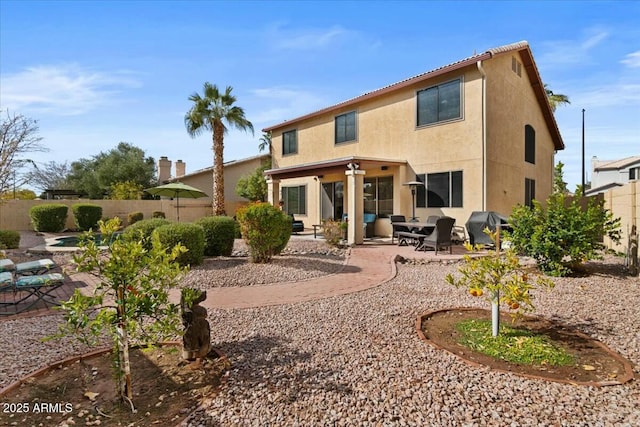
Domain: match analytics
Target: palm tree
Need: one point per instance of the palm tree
(210, 112)
(556, 99)
(265, 142)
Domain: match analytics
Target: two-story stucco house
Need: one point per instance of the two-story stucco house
(479, 133)
(606, 174)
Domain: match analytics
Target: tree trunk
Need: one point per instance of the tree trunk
(218, 169)
(124, 376)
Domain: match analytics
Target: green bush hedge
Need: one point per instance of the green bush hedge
(189, 235)
(134, 217)
(158, 214)
(9, 239)
(219, 233)
(86, 216)
(143, 230)
(266, 229)
(49, 218)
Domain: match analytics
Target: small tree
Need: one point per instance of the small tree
(254, 185)
(131, 302)
(501, 277)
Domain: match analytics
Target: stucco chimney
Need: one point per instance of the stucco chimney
(181, 168)
(164, 169)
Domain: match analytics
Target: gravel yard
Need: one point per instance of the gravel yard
(356, 360)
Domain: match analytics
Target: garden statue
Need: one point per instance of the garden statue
(196, 340)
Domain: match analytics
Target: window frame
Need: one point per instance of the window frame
(529, 144)
(355, 128)
(460, 115)
(301, 209)
(455, 199)
(293, 132)
(376, 196)
(529, 191)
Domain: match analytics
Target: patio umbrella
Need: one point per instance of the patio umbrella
(176, 190)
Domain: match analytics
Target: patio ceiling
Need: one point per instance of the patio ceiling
(326, 167)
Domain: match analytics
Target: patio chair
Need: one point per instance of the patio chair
(296, 225)
(397, 228)
(28, 268)
(23, 288)
(440, 237)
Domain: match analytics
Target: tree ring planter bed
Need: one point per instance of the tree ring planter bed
(596, 364)
(166, 389)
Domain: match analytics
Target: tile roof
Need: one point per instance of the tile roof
(528, 62)
(615, 164)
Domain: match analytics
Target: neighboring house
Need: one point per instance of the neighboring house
(479, 133)
(203, 179)
(607, 174)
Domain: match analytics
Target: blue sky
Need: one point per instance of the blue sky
(95, 73)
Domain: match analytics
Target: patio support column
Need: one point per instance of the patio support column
(355, 205)
(273, 190)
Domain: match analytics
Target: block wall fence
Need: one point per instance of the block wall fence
(14, 214)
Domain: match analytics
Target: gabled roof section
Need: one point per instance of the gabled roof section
(604, 165)
(527, 59)
(230, 163)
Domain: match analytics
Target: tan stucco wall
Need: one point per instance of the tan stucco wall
(511, 104)
(232, 173)
(14, 214)
(624, 203)
(386, 129)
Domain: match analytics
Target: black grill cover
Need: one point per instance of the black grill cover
(479, 220)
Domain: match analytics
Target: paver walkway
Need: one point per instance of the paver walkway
(367, 266)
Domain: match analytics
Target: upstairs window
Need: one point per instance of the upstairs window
(529, 144)
(290, 142)
(346, 127)
(439, 103)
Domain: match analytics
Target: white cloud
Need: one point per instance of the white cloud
(306, 38)
(632, 60)
(616, 94)
(62, 89)
(280, 103)
(569, 52)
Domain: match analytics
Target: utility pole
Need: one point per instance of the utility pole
(583, 189)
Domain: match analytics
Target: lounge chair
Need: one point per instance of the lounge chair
(440, 237)
(397, 228)
(28, 268)
(23, 288)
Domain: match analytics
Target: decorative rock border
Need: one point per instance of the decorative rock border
(71, 360)
(626, 377)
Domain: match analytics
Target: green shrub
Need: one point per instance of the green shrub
(266, 229)
(134, 217)
(219, 233)
(158, 214)
(49, 218)
(564, 235)
(86, 216)
(9, 239)
(143, 230)
(188, 235)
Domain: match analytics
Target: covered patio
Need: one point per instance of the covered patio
(351, 172)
